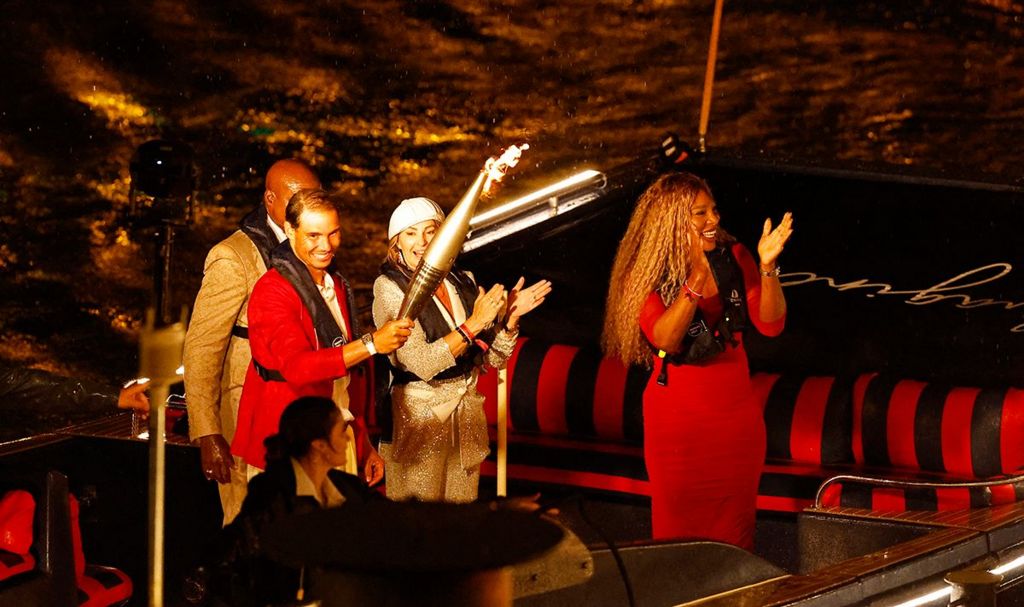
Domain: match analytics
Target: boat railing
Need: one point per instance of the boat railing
(909, 484)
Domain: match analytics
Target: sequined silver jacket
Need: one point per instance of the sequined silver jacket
(428, 412)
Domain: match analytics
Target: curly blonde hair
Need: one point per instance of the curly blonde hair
(652, 257)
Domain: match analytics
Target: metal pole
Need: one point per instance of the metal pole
(157, 476)
(502, 433)
(165, 286)
(160, 350)
(709, 76)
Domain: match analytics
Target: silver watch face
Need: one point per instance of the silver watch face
(367, 339)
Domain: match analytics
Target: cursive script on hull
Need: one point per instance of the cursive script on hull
(951, 289)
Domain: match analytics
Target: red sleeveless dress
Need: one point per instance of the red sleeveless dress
(704, 434)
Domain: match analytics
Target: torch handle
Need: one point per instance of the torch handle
(421, 289)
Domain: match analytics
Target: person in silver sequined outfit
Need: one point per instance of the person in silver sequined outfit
(439, 436)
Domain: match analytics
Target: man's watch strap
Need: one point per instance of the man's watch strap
(367, 340)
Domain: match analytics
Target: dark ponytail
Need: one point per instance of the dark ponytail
(305, 420)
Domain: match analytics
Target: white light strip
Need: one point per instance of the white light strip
(942, 593)
(532, 197)
(1010, 566)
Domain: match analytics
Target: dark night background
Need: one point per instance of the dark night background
(394, 99)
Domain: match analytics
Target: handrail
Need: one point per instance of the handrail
(902, 484)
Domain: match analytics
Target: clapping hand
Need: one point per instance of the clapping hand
(772, 241)
(486, 307)
(522, 301)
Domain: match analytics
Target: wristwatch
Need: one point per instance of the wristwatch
(368, 342)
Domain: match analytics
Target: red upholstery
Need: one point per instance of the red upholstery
(98, 586)
(886, 499)
(909, 424)
(575, 419)
(559, 390)
(12, 564)
(102, 586)
(76, 538)
(17, 510)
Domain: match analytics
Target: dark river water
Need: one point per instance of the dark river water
(390, 99)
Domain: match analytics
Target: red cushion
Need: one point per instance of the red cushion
(889, 499)
(972, 432)
(808, 419)
(12, 564)
(103, 586)
(76, 538)
(17, 509)
(561, 390)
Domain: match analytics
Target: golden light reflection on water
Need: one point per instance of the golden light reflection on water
(280, 134)
(20, 348)
(115, 191)
(319, 87)
(119, 320)
(115, 256)
(7, 257)
(84, 80)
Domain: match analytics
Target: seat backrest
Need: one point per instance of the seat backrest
(972, 432)
(562, 390)
(808, 419)
(53, 546)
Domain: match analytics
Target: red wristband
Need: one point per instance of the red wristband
(469, 334)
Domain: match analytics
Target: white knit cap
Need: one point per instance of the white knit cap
(411, 211)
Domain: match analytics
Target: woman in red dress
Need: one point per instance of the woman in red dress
(683, 291)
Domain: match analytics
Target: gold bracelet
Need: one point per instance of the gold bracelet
(772, 272)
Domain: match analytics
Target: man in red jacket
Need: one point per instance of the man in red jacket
(302, 332)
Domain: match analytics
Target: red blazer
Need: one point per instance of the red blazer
(282, 338)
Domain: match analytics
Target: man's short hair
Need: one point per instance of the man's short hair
(309, 199)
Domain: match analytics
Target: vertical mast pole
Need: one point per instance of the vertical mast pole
(709, 77)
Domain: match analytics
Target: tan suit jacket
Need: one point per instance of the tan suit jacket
(215, 360)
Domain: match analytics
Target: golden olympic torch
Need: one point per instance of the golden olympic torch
(441, 252)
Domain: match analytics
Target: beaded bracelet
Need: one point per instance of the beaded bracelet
(773, 272)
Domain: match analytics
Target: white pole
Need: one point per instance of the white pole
(160, 351)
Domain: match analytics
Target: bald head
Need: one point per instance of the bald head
(284, 178)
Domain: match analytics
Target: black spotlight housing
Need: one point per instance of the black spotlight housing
(163, 183)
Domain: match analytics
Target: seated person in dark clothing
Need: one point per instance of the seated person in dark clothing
(301, 476)
(33, 401)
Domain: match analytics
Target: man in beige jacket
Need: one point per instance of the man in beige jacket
(216, 346)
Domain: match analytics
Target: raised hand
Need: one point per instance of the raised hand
(486, 308)
(698, 269)
(522, 301)
(773, 240)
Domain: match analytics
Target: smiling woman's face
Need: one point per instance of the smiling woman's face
(704, 220)
(413, 241)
